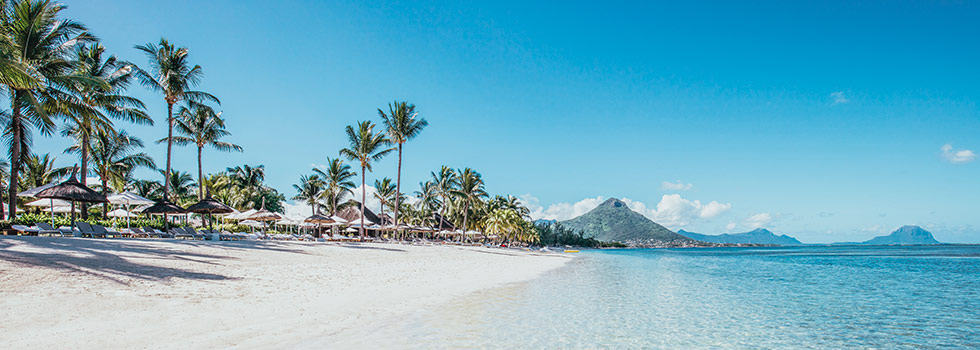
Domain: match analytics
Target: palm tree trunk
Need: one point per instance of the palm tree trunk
(466, 210)
(14, 154)
(363, 199)
(105, 206)
(170, 145)
(84, 174)
(200, 175)
(398, 186)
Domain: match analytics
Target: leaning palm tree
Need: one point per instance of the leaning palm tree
(40, 43)
(40, 170)
(469, 192)
(201, 126)
(338, 178)
(146, 188)
(384, 191)
(171, 74)
(114, 157)
(181, 187)
(247, 181)
(403, 124)
(365, 147)
(428, 198)
(99, 105)
(309, 189)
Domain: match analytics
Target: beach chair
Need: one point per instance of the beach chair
(26, 230)
(87, 229)
(137, 233)
(106, 232)
(45, 228)
(152, 232)
(178, 232)
(191, 231)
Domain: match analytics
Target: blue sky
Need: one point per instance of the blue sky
(823, 120)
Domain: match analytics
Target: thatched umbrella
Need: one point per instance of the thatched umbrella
(318, 219)
(74, 191)
(264, 215)
(209, 206)
(164, 207)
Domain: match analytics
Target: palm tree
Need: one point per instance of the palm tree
(98, 105)
(309, 189)
(384, 190)
(41, 44)
(172, 75)
(365, 146)
(469, 192)
(248, 181)
(201, 126)
(445, 181)
(403, 124)
(4, 175)
(338, 178)
(146, 188)
(39, 170)
(181, 187)
(114, 157)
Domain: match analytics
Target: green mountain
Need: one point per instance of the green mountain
(614, 221)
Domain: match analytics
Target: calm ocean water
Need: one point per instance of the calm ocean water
(741, 298)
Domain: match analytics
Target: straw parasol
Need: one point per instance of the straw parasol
(164, 207)
(71, 190)
(319, 219)
(264, 215)
(128, 198)
(209, 206)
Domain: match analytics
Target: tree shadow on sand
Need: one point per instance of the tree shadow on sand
(107, 258)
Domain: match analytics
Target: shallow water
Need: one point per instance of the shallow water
(742, 298)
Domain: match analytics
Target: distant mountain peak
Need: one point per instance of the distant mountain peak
(614, 202)
(908, 234)
(757, 236)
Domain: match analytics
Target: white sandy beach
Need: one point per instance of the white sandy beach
(102, 294)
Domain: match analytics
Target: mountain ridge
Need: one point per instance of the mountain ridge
(757, 236)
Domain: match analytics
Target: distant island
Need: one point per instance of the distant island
(757, 236)
(905, 235)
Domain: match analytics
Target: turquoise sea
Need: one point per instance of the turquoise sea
(820, 297)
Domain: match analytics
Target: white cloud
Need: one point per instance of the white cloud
(675, 186)
(758, 220)
(674, 211)
(960, 156)
(839, 98)
(559, 211)
(297, 210)
(730, 226)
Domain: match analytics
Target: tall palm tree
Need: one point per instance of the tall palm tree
(42, 45)
(4, 176)
(469, 192)
(99, 105)
(384, 191)
(114, 157)
(365, 147)
(309, 189)
(338, 178)
(403, 124)
(445, 181)
(201, 126)
(171, 74)
(248, 180)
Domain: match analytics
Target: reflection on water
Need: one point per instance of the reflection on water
(806, 297)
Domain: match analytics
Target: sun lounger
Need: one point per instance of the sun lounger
(179, 232)
(152, 232)
(26, 230)
(87, 229)
(45, 228)
(136, 232)
(107, 232)
(193, 232)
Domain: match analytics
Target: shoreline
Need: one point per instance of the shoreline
(122, 293)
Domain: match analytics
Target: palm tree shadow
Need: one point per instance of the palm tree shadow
(103, 259)
(358, 246)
